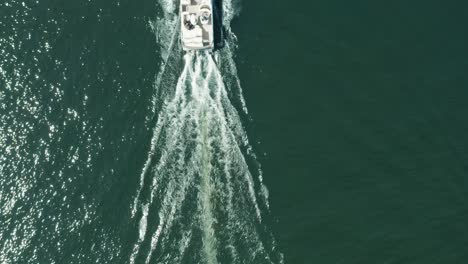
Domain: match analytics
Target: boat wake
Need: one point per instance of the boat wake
(201, 183)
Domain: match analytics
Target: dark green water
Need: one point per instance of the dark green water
(356, 111)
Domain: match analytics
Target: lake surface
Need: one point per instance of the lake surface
(323, 132)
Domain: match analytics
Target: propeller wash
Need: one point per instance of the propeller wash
(201, 198)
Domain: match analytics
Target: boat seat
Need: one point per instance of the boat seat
(193, 9)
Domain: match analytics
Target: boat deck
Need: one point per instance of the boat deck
(196, 24)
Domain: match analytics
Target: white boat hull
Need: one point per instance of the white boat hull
(196, 17)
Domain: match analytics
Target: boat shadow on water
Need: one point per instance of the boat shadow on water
(218, 28)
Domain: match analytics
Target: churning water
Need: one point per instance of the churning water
(197, 181)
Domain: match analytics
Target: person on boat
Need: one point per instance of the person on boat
(189, 25)
(191, 21)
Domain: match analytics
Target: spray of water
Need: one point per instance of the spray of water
(197, 183)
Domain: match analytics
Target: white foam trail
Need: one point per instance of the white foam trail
(170, 106)
(206, 191)
(142, 232)
(202, 191)
(233, 69)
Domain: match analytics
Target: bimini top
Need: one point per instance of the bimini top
(196, 24)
